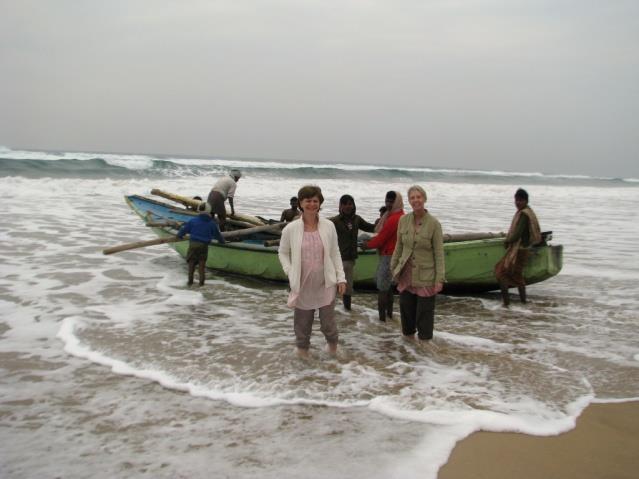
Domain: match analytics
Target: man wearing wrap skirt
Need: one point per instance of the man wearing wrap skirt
(223, 189)
(524, 232)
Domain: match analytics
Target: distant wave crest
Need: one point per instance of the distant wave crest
(43, 164)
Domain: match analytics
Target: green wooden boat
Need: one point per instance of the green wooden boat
(469, 264)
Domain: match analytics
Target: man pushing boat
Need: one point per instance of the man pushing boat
(222, 189)
(202, 229)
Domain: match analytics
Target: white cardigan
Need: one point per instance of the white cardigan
(290, 253)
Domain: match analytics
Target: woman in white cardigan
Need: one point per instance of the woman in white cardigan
(310, 257)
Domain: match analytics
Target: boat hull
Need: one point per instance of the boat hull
(469, 264)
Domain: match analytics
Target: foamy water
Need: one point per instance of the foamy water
(112, 367)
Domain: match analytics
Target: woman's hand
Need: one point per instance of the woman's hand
(341, 288)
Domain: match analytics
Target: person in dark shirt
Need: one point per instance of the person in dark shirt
(194, 207)
(201, 229)
(293, 212)
(348, 224)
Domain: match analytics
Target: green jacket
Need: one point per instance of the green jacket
(426, 249)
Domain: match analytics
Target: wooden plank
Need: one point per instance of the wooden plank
(172, 239)
(456, 237)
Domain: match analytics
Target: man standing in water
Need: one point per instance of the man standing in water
(385, 242)
(202, 229)
(524, 232)
(347, 225)
(224, 188)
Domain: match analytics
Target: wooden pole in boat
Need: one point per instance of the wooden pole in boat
(142, 244)
(174, 239)
(193, 204)
(454, 238)
(274, 228)
(190, 202)
(164, 224)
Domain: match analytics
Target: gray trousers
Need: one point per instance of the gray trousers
(384, 277)
(303, 325)
(349, 267)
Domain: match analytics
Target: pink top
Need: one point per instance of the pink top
(405, 282)
(312, 294)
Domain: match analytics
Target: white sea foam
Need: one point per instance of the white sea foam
(467, 419)
(615, 401)
(74, 346)
(173, 287)
(430, 454)
(132, 163)
(475, 342)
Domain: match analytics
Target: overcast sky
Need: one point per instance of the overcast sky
(524, 85)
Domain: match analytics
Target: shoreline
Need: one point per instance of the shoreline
(604, 444)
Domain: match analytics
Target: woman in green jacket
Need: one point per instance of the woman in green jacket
(418, 266)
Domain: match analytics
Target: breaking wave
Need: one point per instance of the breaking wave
(44, 164)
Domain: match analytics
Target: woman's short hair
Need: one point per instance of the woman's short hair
(417, 188)
(310, 191)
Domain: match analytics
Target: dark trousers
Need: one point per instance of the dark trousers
(216, 200)
(418, 314)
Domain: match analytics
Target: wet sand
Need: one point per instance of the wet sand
(605, 444)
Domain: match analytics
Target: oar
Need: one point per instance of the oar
(158, 224)
(192, 203)
(275, 228)
(142, 244)
(174, 239)
(457, 237)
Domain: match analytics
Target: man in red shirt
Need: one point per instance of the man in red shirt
(385, 241)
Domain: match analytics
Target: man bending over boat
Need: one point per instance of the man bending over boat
(202, 229)
(524, 232)
(222, 189)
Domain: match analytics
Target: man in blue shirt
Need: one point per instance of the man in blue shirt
(202, 229)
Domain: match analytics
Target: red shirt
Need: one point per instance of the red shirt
(386, 239)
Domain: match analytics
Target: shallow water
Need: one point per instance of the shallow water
(113, 367)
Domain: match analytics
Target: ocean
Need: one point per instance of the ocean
(112, 367)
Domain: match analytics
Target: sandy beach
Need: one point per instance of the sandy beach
(605, 444)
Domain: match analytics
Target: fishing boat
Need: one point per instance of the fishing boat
(470, 258)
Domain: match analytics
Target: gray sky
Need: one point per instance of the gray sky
(525, 85)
